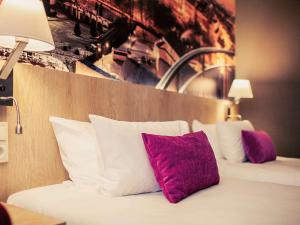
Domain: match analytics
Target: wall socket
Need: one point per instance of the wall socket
(3, 142)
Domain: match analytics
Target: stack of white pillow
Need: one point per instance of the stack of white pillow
(110, 154)
(226, 138)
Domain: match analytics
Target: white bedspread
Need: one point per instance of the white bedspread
(282, 171)
(233, 202)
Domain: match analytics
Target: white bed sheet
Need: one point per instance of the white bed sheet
(232, 202)
(281, 171)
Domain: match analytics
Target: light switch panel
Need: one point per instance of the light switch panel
(3, 142)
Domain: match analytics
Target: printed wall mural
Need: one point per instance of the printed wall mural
(138, 41)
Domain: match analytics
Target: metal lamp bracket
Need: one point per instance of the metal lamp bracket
(6, 73)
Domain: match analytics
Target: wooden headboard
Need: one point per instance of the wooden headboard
(33, 156)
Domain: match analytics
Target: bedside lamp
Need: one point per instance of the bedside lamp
(23, 26)
(239, 89)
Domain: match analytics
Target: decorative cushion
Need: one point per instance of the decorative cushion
(182, 164)
(258, 146)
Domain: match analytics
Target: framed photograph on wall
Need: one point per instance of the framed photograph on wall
(138, 41)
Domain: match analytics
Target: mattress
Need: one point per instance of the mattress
(233, 201)
(281, 171)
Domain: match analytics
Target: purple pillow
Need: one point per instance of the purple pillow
(182, 164)
(258, 146)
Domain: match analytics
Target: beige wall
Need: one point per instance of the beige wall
(268, 53)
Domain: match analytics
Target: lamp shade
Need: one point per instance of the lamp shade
(240, 89)
(25, 19)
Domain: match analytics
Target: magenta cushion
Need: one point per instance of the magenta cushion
(182, 164)
(258, 146)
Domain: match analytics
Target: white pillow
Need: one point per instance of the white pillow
(230, 139)
(78, 146)
(211, 132)
(126, 166)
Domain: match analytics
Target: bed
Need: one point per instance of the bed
(282, 171)
(233, 201)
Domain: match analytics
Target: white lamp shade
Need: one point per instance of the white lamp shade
(25, 19)
(240, 89)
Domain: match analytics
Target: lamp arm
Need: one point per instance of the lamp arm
(13, 58)
(19, 129)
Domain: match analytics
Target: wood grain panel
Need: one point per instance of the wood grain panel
(33, 156)
(21, 216)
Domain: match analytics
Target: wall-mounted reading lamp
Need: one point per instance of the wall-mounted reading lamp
(23, 27)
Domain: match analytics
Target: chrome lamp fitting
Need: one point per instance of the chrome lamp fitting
(19, 129)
